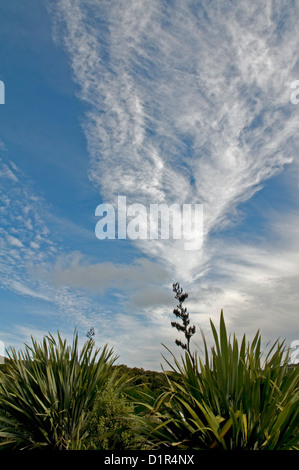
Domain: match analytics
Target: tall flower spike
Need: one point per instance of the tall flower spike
(181, 312)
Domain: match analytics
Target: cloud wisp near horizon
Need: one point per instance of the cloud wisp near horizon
(188, 103)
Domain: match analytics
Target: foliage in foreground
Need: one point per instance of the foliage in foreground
(230, 400)
(54, 397)
(111, 423)
(47, 393)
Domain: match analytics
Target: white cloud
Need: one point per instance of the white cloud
(29, 248)
(175, 96)
(17, 286)
(14, 241)
(187, 103)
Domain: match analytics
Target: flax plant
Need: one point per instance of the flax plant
(47, 392)
(235, 397)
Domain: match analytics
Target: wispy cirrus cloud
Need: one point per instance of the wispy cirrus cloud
(29, 248)
(186, 103)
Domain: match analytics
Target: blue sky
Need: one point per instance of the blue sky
(163, 102)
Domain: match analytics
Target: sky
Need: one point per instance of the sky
(173, 102)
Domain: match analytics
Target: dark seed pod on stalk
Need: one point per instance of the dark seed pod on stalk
(181, 312)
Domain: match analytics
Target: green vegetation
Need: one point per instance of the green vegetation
(230, 401)
(235, 397)
(47, 392)
(112, 424)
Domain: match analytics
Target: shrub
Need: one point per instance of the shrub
(112, 423)
(233, 399)
(47, 393)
